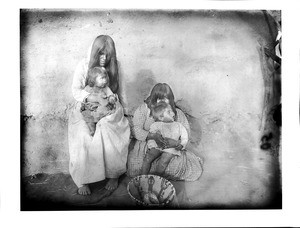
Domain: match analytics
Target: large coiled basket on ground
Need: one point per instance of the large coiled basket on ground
(151, 191)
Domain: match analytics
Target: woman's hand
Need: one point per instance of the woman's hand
(92, 106)
(157, 137)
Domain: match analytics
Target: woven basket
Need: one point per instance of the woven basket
(151, 185)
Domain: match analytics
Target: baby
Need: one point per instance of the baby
(168, 128)
(97, 81)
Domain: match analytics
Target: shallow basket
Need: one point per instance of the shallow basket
(161, 187)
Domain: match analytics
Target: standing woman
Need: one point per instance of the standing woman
(187, 166)
(104, 155)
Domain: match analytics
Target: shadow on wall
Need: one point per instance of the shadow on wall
(196, 131)
(139, 89)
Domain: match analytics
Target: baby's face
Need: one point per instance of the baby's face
(168, 115)
(101, 81)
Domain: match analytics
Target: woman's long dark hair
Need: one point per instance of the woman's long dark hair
(161, 91)
(104, 45)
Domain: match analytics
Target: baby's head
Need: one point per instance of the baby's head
(98, 77)
(163, 112)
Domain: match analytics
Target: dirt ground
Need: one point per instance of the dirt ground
(217, 188)
(58, 192)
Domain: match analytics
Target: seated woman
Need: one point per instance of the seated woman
(187, 166)
(104, 155)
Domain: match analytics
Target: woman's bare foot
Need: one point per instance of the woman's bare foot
(84, 190)
(112, 184)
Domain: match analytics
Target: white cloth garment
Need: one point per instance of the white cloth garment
(103, 156)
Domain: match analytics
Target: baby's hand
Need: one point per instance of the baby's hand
(112, 99)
